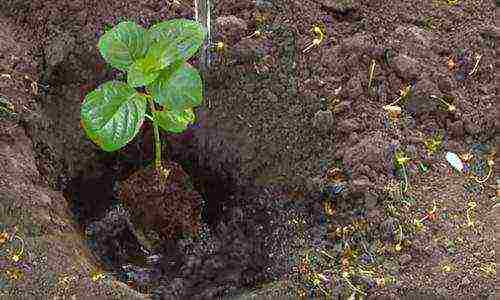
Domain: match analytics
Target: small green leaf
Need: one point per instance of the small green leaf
(164, 53)
(124, 44)
(185, 36)
(143, 72)
(178, 88)
(113, 114)
(175, 121)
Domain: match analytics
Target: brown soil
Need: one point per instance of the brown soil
(168, 206)
(276, 219)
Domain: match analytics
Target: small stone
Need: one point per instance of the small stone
(361, 184)
(360, 43)
(343, 106)
(58, 49)
(338, 6)
(414, 35)
(445, 84)
(406, 67)
(354, 87)
(347, 126)
(230, 28)
(247, 51)
(370, 200)
(323, 121)
(465, 281)
(421, 100)
(456, 128)
(405, 258)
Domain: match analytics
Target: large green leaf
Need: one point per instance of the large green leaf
(113, 114)
(124, 44)
(175, 121)
(185, 36)
(178, 88)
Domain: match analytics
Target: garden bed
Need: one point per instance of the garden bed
(292, 204)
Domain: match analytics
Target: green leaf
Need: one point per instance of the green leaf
(113, 114)
(175, 121)
(178, 88)
(124, 44)
(160, 56)
(185, 36)
(143, 72)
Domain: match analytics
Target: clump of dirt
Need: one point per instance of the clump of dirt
(168, 206)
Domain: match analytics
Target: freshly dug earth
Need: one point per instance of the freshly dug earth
(276, 221)
(169, 206)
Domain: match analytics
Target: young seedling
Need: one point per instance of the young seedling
(320, 37)
(158, 76)
(18, 255)
(404, 94)
(491, 163)
(401, 161)
(428, 23)
(430, 215)
(6, 108)
(449, 107)
(220, 48)
(387, 56)
(434, 143)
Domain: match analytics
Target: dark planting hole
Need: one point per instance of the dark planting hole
(109, 232)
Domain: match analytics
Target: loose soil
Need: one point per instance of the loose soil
(291, 206)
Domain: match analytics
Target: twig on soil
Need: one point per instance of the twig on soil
(476, 66)
(398, 246)
(471, 206)
(256, 33)
(372, 70)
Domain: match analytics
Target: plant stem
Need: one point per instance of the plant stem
(156, 133)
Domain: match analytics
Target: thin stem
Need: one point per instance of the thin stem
(156, 133)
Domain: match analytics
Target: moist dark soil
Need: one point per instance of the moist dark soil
(166, 204)
(293, 203)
